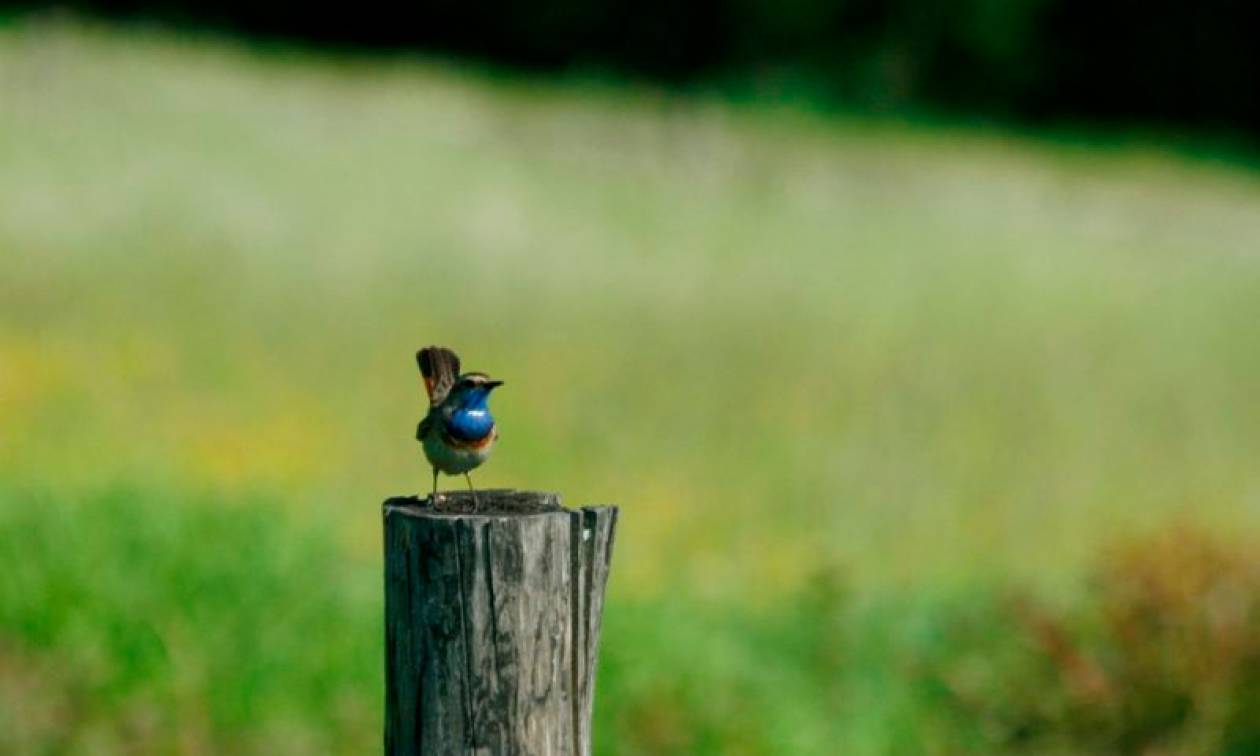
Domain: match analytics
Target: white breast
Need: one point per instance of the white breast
(453, 460)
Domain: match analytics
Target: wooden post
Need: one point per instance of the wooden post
(492, 618)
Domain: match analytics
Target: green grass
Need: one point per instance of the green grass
(926, 360)
(144, 622)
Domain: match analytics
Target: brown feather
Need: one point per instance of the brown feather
(440, 368)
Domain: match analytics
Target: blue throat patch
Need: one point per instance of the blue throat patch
(472, 420)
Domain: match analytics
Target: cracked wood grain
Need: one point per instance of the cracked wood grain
(492, 619)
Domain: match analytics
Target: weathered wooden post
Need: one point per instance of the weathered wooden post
(492, 618)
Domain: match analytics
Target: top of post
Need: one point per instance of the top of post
(494, 502)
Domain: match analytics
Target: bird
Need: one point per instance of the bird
(458, 433)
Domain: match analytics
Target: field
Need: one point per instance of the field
(852, 381)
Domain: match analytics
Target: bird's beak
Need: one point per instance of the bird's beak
(493, 384)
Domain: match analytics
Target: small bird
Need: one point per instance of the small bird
(458, 432)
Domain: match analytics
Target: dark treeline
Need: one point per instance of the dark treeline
(1188, 62)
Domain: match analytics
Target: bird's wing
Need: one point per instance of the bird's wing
(440, 368)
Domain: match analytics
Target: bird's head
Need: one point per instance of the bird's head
(472, 390)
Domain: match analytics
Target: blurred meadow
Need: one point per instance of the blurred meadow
(897, 412)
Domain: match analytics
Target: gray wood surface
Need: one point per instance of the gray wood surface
(492, 618)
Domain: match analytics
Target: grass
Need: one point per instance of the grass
(839, 374)
(134, 625)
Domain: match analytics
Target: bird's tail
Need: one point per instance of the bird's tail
(440, 368)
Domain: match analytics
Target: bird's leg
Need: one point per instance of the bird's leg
(433, 496)
(468, 478)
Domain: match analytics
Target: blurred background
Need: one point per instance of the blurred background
(917, 342)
